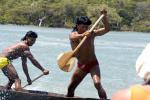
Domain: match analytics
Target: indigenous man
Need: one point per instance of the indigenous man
(20, 49)
(87, 61)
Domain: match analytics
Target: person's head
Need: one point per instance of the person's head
(144, 72)
(30, 37)
(147, 78)
(82, 24)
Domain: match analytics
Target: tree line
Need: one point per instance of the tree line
(124, 15)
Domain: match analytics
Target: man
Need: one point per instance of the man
(20, 49)
(138, 92)
(87, 61)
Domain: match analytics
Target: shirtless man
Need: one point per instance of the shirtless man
(20, 49)
(87, 61)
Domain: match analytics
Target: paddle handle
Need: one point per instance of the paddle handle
(85, 37)
(96, 23)
(34, 80)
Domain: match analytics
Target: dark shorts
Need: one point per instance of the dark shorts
(87, 67)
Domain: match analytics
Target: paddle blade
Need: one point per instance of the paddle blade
(63, 59)
(69, 66)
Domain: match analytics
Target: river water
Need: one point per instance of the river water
(116, 51)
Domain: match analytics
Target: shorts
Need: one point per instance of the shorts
(4, 62)
(87, 67)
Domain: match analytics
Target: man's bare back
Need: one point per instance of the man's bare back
(16, 50)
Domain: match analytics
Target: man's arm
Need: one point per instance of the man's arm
(25, 69)
(35, 62)
(102, 31)
(75, 36)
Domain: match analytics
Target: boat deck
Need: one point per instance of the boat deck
(35, 95)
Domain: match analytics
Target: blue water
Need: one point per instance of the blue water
(116, 51)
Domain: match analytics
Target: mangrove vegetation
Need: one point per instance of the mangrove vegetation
(124, 15)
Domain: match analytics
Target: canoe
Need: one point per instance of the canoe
(35, 95)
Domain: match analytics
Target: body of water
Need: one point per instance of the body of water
(116, 51)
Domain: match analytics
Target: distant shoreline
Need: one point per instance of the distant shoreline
(123, 15)
(69, 28)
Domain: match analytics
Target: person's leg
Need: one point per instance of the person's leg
(75, 80)
(6, 72)
(12, 75)
(18, 85)
(95, 74)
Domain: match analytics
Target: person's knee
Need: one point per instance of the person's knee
(13, 78)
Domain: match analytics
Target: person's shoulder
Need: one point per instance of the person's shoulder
(74, 32)
(123, 94)
(24, 46)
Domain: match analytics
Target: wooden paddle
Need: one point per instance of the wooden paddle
(64, 59)
(34, 80)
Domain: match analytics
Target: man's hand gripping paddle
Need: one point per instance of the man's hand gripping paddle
(34, 80)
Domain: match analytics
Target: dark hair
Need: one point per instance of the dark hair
(147, 82)
(82, 20)
(30, 34)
